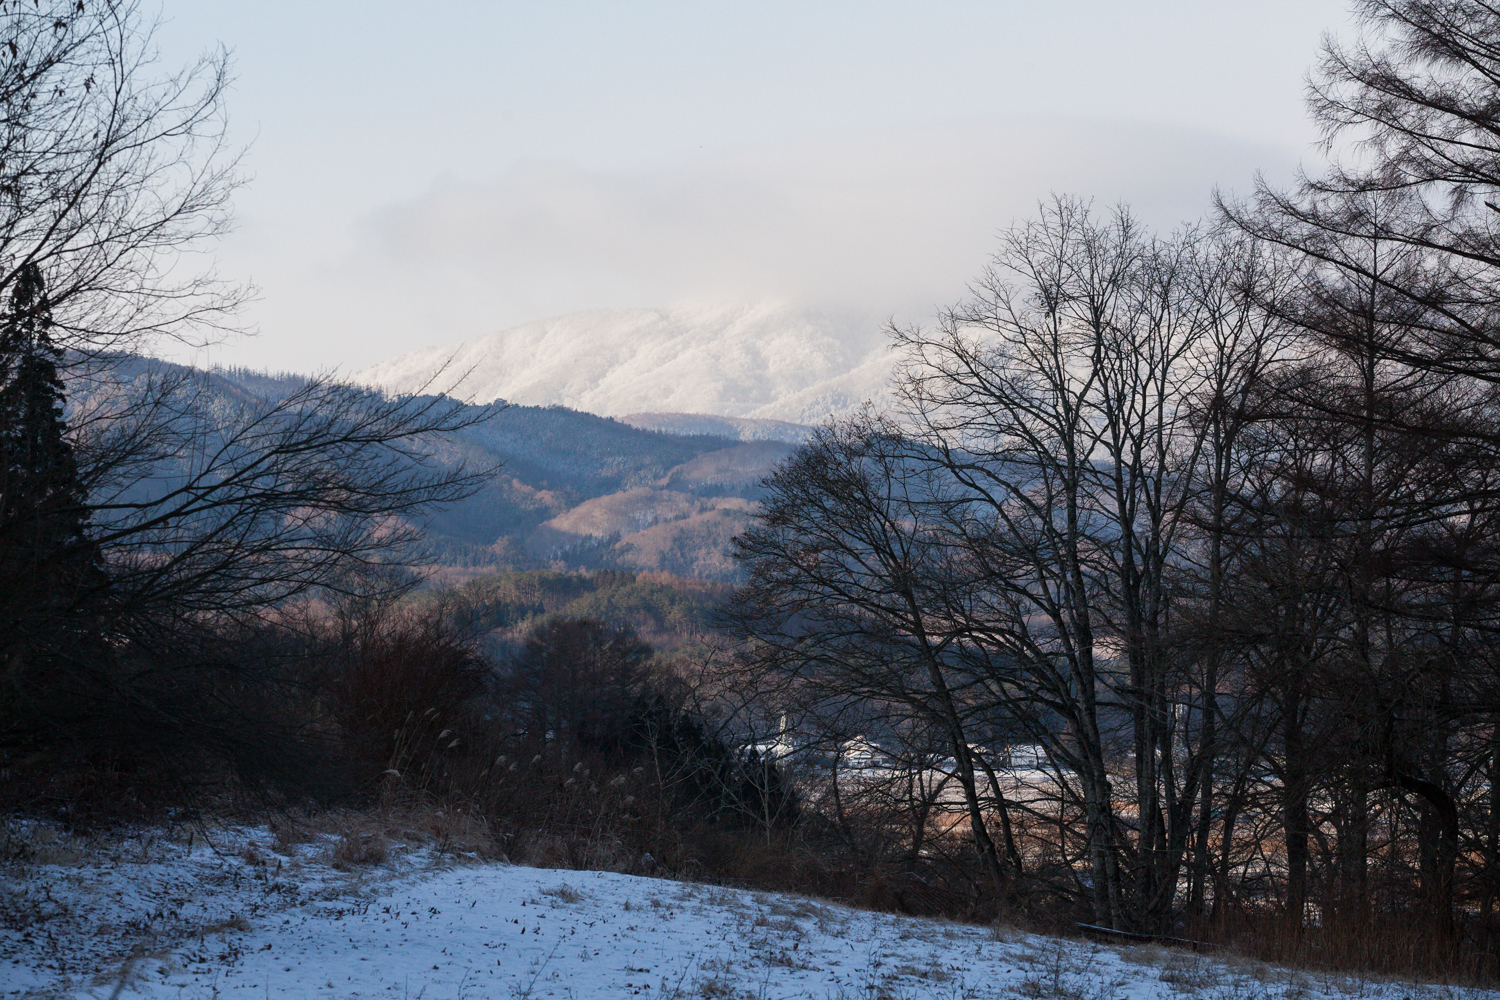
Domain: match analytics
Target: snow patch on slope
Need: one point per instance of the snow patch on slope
(764, 361)
(199, 924)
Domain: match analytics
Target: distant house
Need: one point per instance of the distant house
(1026, 757)
(779, 747)
(862, 754)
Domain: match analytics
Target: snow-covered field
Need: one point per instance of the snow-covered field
(250, 916)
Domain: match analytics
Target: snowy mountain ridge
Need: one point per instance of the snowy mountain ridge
(764, 361)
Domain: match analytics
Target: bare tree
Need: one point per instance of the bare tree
(213, 505)
(1055, 399)
(1004, 562)
(1398, 248)
(209, 515)
(1372, 460)
(844, 602)
(1237, 283)
(110, 169)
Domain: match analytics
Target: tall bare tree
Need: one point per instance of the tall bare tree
(110, 168)
(1056, 400)
(1008, 557)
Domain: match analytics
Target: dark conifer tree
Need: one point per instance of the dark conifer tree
(48, 565)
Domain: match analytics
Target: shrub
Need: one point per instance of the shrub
(402, 689)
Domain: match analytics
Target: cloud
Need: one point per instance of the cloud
(880, 224)
(886, 222)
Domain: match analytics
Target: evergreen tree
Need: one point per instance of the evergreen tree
(48, 565)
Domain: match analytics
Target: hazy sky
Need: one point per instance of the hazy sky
(425, 173)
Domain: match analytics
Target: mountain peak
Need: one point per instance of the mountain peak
(761, 361)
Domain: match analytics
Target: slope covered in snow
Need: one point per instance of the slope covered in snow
(761, 361)
(250, 917)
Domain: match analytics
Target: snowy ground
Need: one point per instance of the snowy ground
(249, 916)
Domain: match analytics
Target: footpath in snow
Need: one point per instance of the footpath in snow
(239, 919)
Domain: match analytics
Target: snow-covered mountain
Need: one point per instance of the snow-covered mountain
(758, 361)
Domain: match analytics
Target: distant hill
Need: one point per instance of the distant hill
(763, 361)
(575, 491)
(743, 428)
(584, 492)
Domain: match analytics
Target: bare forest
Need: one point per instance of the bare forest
(1170, 584)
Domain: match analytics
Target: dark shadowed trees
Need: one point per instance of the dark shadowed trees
(1211, 519)
(1012, 557)
(49, 566)
(1395, 399)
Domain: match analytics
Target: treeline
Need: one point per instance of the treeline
(669, 611)
(1211, 518)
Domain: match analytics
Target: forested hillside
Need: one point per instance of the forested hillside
(573, 491)
(672, 613)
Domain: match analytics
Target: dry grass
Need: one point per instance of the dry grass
(715, 988)
(1188, 973)
(563, 894)
(42, 844)
(358, 839)
(577, 853)
(287, 835)
(254, 854)
(358, 849)
(1064, 971)
(1392, 947)
(1003, 933)
(1231, 975)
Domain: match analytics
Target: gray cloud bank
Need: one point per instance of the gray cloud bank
(891, 223)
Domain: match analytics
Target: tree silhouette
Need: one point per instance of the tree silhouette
(48, 564)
